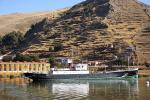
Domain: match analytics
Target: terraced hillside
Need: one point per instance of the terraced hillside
(23, 21)
(142, 41)
(93, 29)
(143, 44)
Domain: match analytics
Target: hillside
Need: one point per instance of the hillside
(93, 29)
(23, 21)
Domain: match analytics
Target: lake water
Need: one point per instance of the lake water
(19, 89)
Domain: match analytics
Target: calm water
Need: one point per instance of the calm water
(18, 89)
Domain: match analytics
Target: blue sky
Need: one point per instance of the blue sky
(13, 6)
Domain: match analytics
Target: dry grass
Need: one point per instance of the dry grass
(23, 21)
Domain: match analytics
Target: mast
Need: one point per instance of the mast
(128, 62)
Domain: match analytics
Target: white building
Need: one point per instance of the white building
(81, 67)
(64, 60)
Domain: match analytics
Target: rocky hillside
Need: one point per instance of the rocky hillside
(23, 21)
(93, 29)
(143, 42)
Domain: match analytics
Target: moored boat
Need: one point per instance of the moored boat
(81, 71)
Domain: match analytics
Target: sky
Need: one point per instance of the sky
(23, 6)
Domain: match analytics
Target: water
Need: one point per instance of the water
(19, 89)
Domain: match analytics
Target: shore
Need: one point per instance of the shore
(10, 75)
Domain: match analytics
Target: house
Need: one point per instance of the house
(67, 62)
(81, 67)
(14, 68)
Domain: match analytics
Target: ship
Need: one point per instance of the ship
(82, 72)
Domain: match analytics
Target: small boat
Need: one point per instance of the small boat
(82, 72)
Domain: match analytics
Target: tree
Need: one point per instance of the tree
(120, 62)
(20, 37)
(51, 60)
(51, 49)
(0, 41)
(28, 58)
(35, 58)
(3, 50)
(58, 47)
(147, 64)
(18, 57)
(12, 39)
(7, 58)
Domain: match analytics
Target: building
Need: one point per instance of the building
(16, 68)
(81, 67)
(66, 62)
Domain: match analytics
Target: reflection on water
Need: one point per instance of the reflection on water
(71, 91)
(90, 90)
(74, 90)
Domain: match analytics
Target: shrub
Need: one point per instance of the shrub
(12, 39)
(35, 58)
(7, 58)
(3, 50)
(51, 60)
(98, 25)
(82, 39)
(11, 76)
(0, 40)
(58, 47)
(20, 57)
(51, 49)
(147, 64)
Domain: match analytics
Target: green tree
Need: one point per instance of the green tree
(51, 49)
(120, 62)
(58, 47)
(7, 58)
(35, 58)
(18, 57)
(20, 37)
(28, 58)
(3, 50)
(12, 39)
(147, 64)
(0, 41)
(51, 60)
